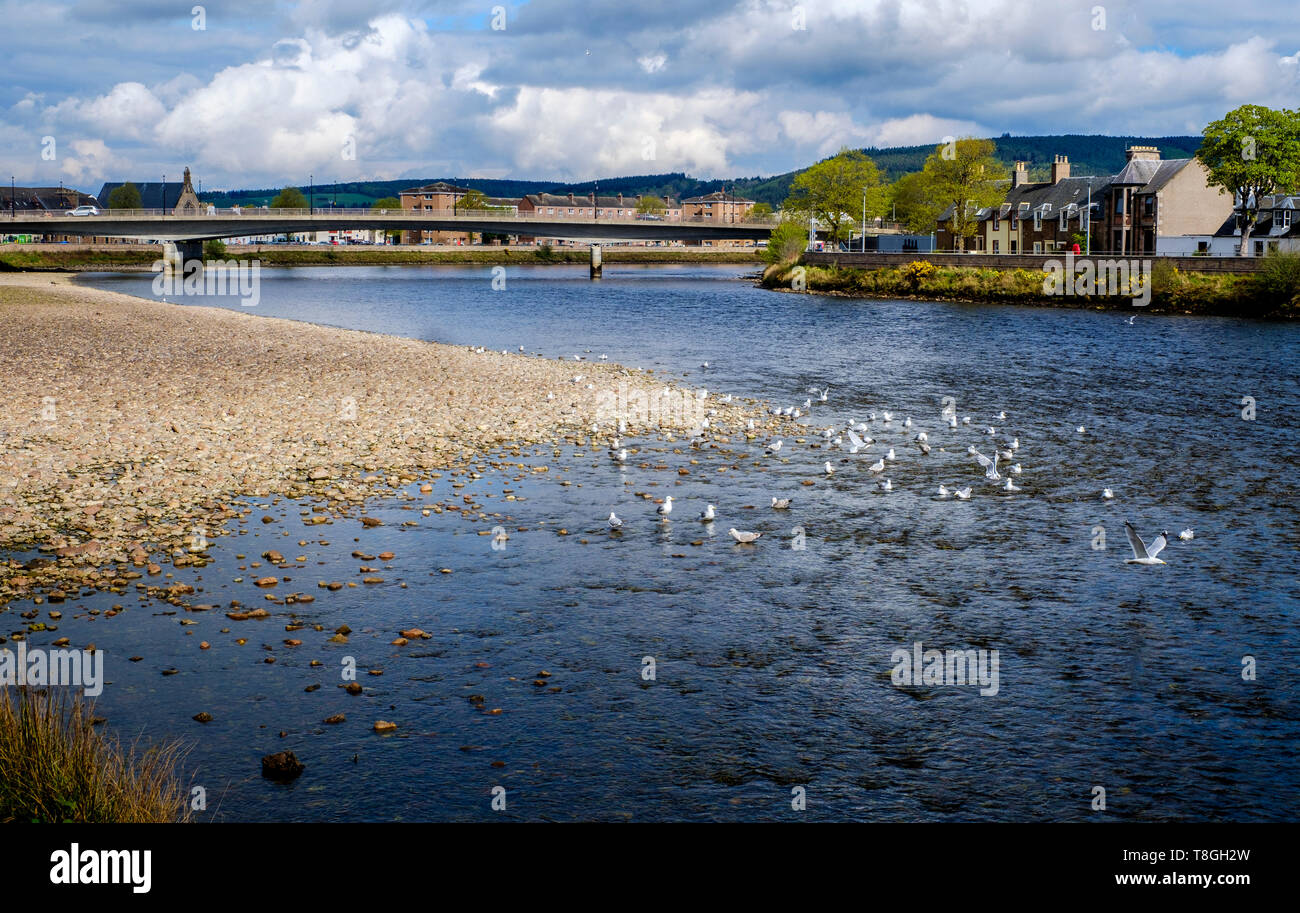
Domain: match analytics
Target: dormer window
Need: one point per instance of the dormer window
(1284, 218)
(1038, 220)
(1065, 219)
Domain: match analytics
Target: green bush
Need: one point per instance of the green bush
(786, 243)
(214, 249)
(1277, 282)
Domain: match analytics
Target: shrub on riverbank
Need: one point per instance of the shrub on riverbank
(56, 767)
(1273, 291)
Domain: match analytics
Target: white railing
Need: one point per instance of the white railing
(366, 214)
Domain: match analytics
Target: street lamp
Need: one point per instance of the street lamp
(164, 196)
(13, 198)
(311, 194)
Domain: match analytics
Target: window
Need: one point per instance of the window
(1119, 204)
(1148, 205)
(1084, 220)
(550, 211)
(996, 246)
(997, 222)
(1284, 218)
(1014, 222)
(1038, 220)
(1065, 219)
(1038, 247)
(1014, 246)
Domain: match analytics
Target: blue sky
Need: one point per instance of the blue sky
(264, 93)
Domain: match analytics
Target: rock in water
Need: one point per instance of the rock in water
(282, 766)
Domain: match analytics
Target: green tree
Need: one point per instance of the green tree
(385, 203)
(651, 205)
(914, 200)
(289, 198)
(472, 201)
(1251, 152)
(787, 241)
(125, 197)
(759, 211)
(964, 174)
(214, 249)
(832, 192)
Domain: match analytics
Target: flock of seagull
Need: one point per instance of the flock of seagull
(855, 437)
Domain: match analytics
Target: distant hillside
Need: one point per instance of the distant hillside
(1087, 154)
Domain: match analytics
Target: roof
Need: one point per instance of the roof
(43, 198)
(579, 199)
(1149, 175)
(151, 193)
(1046, 197)
(718, 196)
(437, 187)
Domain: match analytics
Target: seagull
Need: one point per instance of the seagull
(1107, 493)
(925, 449)
(822, 397)
(990, 430)
(621, 456)
(887, 417)
(665, 508)
(1015, 470)
(742, 537)
(1011, 486)
(1187, 535)
(705, 366)
(952, 422)
(921, 438)
(614, 522)
(1005, 455)
(963, 494)
(966, 420)
(890, 455)
(708, 514)
(1080, 430)
(807, 404)
(877, 466)
(1015, 443)
(775, 448)
(855, 443)
(830, 470)
(781, 503)
(886, 485)
(1002, 416)
(907, 422)
(990, 466)
(1131, 319)
(1142, 554)
(943, 491)
(750, 425)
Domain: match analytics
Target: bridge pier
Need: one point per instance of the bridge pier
(595, 261)
(183, 257)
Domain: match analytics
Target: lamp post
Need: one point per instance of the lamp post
(13, 198)
(164, 196)
(311, 194)
(864, 220)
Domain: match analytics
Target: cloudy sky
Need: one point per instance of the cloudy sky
(261, 93)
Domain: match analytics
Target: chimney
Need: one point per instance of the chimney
(570, 196)
(1148, 153)
(620, 199)
(1019, 175)
(1060, 169)
(592, 196)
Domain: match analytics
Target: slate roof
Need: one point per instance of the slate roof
(1149, 175)
(151, 193)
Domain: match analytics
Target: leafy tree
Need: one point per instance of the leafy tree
(289, 198)
(964, 174)
(386, 203)
(787, 241)
(915, 202)
(1251, 152)
(472, 201)
(651, 205)
(125, 197)
(832, 191)
(759, 211)
(214, 249)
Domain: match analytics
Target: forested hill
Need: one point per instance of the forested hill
(1087, 154)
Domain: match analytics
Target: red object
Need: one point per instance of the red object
(1076, 249)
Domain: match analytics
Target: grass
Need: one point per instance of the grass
(1274, 291)
(56, 767)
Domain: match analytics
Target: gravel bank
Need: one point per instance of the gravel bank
(128, 426)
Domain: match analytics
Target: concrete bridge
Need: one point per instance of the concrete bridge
(189, 232)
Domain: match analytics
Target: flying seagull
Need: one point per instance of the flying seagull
(1142, 553)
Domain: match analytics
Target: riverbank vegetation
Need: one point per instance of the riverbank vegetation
(56, 766)
(1272, 291)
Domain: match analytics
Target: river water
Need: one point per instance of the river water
(773, 666)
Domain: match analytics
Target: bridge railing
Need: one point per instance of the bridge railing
(366, 213)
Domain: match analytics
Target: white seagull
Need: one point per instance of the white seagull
(665, 508)
(990, 466)
(1011, 486)
(943, 491)
(743, 538)
(830, 470)
(963, 494)
(878, 466)
(707, 515)
(1142, 553)
(775, 448)
(1107, 494)
(614, 522)
(1187, 535)
(781, 503)
(886, 485)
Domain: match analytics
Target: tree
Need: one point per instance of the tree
(472, 201)
(787, 241)
(964, 174)
(125, 197)
(759, 211)
(651, 205)
(1251, 152)
(832, 192)
(385, 203)
(914, 200)
(290, 198)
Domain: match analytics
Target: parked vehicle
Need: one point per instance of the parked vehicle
(85, 211)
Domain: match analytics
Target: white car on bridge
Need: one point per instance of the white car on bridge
(85, 211)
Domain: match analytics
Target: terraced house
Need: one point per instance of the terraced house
(1152, 206)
